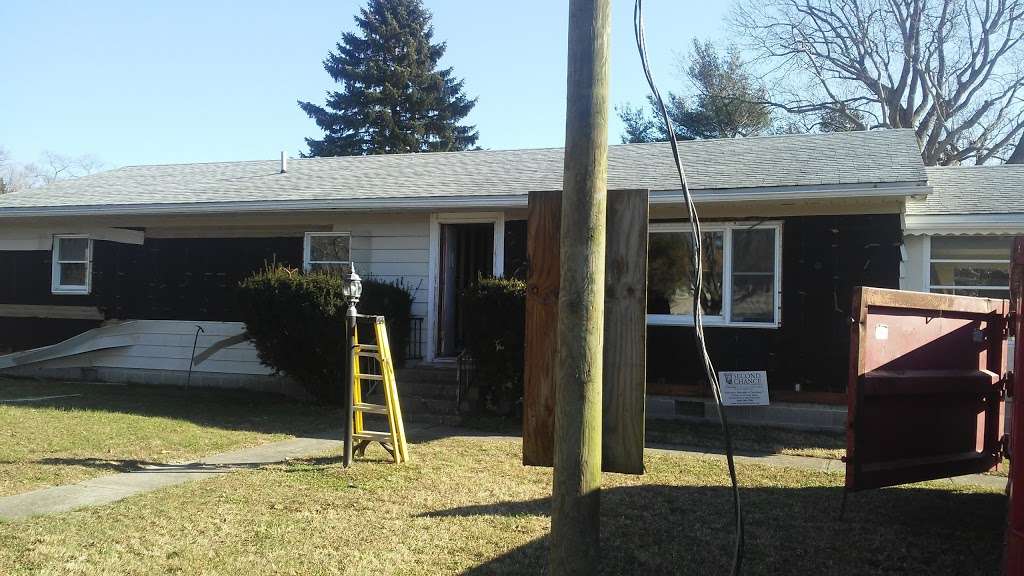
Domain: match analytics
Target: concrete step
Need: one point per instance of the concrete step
(419, 405)
(428, 381)
(441, 419)
(429, 373)
(446, 391)
(428, 393)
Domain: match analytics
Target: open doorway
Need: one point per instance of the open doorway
(466, 252)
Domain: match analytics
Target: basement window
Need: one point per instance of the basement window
(72, 264)
(742, 274)
(970, 265)
(327, 252)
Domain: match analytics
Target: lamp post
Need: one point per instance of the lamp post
(351, 290)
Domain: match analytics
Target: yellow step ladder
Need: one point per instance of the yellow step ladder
(379, 355)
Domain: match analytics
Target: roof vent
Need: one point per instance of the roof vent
(284, 162)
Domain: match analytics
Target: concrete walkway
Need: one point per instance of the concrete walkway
(107, 489)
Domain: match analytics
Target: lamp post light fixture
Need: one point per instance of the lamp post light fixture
(351, 290)
(351, 286)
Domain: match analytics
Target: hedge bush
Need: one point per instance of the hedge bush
(495, 336)
(393, 301)
(297, 324)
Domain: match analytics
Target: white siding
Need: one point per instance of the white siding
(392, 248)
(914, 271)
(147, 344)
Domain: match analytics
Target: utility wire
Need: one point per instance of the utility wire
(698, 282)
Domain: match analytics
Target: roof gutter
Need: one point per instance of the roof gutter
(958, 224)
(506, 201)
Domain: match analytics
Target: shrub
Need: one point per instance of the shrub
(297, 323)
(393, 301)
(495, 325)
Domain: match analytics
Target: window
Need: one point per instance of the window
(970, 265)
(741, 274)
(72, 265)
(670, 273)
(330, 251)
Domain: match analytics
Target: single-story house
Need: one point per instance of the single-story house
(114, 273)
(958, 238)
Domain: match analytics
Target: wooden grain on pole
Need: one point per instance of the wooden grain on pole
(575, 519)
(542, 251)
(625, 333)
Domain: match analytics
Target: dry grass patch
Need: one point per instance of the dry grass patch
(757, 439)
(110, 428)
(467, 506)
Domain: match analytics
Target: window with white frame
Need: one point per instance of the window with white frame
(72, 264)
(327, 251)
(970, 265)
(742, 268)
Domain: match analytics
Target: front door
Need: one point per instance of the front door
(466, 253)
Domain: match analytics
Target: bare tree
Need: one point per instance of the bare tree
(950, 69)
(13, 176)
(1017, 157)
(53, 166)
(50, 168)
(5, 186)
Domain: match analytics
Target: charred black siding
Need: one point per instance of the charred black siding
(823, 259)
(165, 279)
(515, 249)
(27, 280)
(189, 278)
(27, 333)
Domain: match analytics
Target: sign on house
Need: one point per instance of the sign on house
(749, 388)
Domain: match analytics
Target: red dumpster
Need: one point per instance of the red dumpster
(927, 377)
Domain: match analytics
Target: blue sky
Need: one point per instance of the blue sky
(192, 81)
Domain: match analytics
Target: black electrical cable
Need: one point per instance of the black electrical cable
(698, 282)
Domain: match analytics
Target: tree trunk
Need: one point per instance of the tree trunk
(1018, 153)
(575, 522)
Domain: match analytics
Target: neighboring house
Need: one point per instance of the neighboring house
(793, 224)
(959, 237)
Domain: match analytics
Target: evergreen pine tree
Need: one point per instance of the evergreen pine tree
(393, 99)
(728, 102)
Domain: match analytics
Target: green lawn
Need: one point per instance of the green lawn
(112, 428)
(467, 506)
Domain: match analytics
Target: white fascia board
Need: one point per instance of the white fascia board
(963, 224)
(242, 207)
(32, 244)
(431, 203)
(42, 239)
(118, 235)
(834, 192)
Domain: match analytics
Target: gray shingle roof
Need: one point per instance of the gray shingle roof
(851, 158)
(971, 190)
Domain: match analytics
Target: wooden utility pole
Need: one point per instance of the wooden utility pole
(575, 521)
